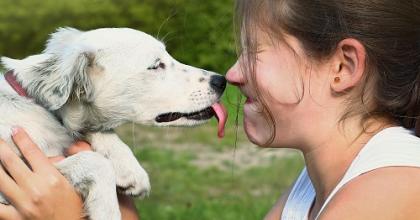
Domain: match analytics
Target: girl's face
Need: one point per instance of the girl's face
(283, 77)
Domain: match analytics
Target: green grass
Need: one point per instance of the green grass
(183, 191)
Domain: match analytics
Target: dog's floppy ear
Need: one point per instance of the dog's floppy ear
(60, 72)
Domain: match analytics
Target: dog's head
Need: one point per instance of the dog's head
(118, 75)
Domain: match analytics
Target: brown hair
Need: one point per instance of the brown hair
(388, 29)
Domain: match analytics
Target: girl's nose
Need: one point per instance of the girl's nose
(234, 75)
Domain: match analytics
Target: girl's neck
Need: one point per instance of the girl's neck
(328, 161)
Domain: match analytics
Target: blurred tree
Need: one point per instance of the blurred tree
(196, 32)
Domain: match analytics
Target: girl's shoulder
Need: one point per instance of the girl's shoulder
(383, 193)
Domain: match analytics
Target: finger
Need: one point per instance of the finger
(30, 151)
(77, 147)
(9, 188)
(13, 164)
(56, 159)
(8, 212)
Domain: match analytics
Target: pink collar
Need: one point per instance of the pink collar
(11, 79)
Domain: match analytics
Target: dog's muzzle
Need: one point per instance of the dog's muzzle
(218, 84)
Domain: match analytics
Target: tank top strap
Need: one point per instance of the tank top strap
(300, 199)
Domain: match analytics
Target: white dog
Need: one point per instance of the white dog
(83, 85)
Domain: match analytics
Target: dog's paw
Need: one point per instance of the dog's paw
(132, 180)
(3, 200)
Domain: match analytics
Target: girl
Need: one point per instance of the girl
(338, 80)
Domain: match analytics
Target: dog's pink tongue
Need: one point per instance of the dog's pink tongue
(221, 115)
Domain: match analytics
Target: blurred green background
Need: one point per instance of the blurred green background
(194, 174)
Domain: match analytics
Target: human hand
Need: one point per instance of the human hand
(43, 193)
(39, 192)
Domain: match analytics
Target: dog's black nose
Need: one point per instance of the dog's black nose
(218, 83)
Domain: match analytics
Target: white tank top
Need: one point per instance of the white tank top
(395, 146)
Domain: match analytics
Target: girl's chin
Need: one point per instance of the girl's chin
(251, 136)
(251, 110)
(254, 134)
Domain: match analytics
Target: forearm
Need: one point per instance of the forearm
(127, 208)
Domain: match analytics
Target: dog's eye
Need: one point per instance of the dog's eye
(157, 65)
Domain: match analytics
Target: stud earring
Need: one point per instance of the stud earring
(337, 79)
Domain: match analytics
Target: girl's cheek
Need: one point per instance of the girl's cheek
(279, 81)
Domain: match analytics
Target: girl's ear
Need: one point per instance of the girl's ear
(349, 65)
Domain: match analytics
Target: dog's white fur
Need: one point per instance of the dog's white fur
(83, 85)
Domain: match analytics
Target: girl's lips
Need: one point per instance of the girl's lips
(249, 100)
